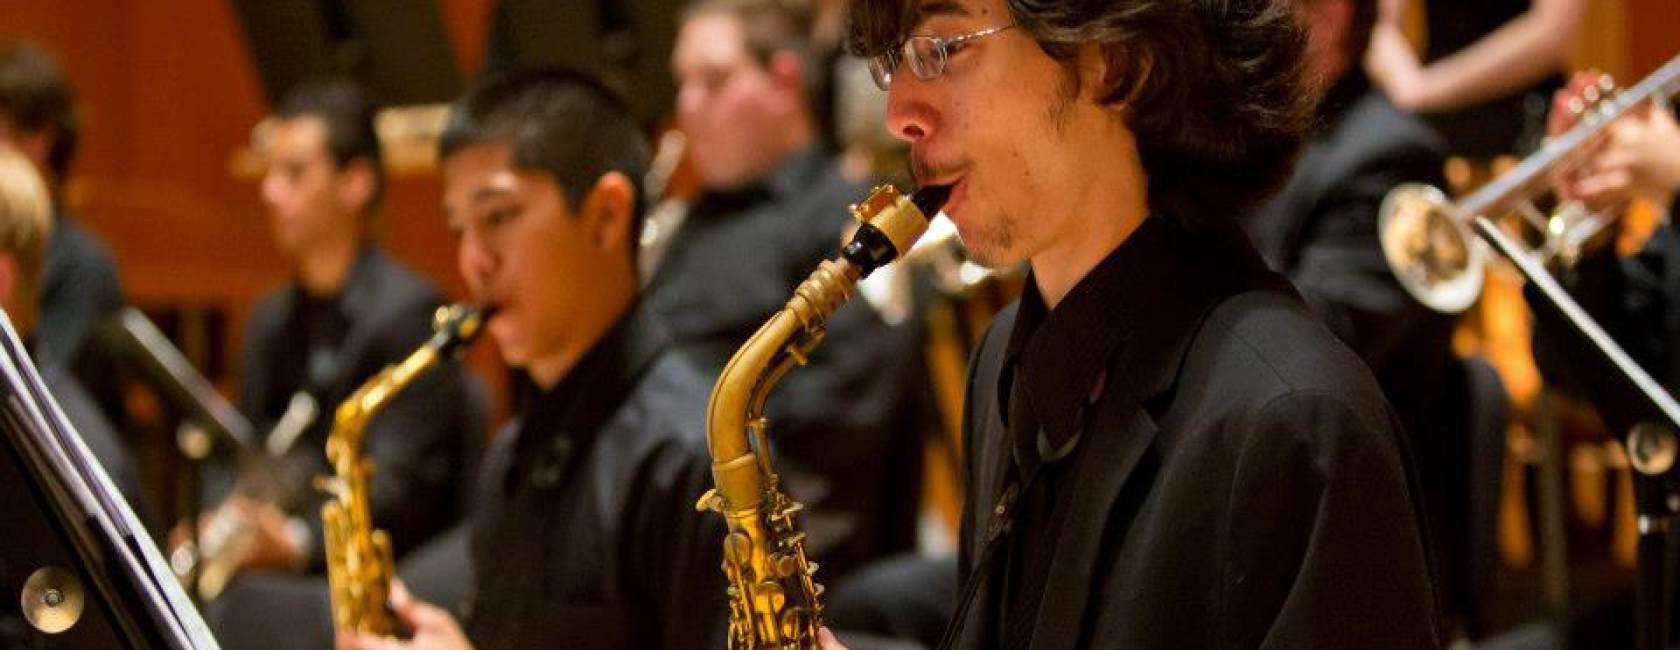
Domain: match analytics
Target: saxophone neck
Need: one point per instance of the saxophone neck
(453, 325)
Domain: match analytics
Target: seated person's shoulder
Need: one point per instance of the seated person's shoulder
(1264, 353)
(666, 411)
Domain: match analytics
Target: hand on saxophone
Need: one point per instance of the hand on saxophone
(827, 640)
(434, 628)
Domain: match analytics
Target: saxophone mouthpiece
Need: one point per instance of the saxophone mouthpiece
(891, 225)
(930, 199)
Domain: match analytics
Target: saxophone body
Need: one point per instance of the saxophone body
(774, 598)
(359, 560)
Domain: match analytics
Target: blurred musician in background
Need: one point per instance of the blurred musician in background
(26, 223)
(349, 311)
(1483, 78)
(1165, 448)
(1635, 297)
(1320, 230)
(585, 533)
(1633, 292)
(774, 205)
(80, 291)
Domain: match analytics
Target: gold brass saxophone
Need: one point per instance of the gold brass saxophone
(773, 595)
(359, 562)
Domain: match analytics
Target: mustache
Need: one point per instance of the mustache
(923, 169)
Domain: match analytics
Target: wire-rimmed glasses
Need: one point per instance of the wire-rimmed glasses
(925, 54)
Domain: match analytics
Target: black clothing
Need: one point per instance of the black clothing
(1635, 299)
(1320, 231)
(79, 291)
(1212, 469)
(585, 532)
(1512, 124)
(420, 443)
(79, 294)
(735, 261)
(96, 432)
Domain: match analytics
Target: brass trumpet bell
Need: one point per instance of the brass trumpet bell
(1430, 248)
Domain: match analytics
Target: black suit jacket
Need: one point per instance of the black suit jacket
(1321, 232)
(420, 443)
(1239, 482)
(584, 531)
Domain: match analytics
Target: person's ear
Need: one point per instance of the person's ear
(788, 72)
(608, 211)
(1116, 73)
(357, 183)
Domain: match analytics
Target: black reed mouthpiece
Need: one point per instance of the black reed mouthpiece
(871, 249)
(930, 199)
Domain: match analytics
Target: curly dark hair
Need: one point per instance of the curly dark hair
(1213, 89)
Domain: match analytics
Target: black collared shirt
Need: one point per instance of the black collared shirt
(1054, 370)
(585, 533)
(422, 441)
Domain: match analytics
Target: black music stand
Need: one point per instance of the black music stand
(75, 564)
(1631, 403)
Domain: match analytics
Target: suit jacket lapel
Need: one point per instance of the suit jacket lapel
(1107, 462)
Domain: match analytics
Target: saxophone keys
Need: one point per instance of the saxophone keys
(737, 549)
(796, 623)
(784, 565)
(770, 593)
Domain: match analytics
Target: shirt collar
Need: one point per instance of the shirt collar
(358, 288)
(592, 391)
(1137, 309)
(786, 179)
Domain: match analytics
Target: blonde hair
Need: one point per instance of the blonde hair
(25, 223)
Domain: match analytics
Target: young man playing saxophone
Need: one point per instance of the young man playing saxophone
(1165, 449)
(585, 533)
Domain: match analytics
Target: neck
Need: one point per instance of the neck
(1104, 211)
(547, 371)
(323, 268)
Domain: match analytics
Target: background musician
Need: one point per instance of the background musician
(1321, 231)
(1633, 292)
(1483, 75)
(774, 205)
(79, 291)
(1165, 448)
(26, 222)
(349, 311)
(585, 533)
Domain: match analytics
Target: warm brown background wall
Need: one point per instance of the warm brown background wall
(169, 91)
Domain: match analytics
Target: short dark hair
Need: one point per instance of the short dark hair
(1213, 89)
(560, 122)
(347, 114)
(35, 94)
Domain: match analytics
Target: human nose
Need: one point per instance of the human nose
(476, 261)
(911, 113)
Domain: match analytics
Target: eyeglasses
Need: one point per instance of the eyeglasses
(925, 54)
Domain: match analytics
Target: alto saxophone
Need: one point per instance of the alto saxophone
(359, 562)
(773, 596)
